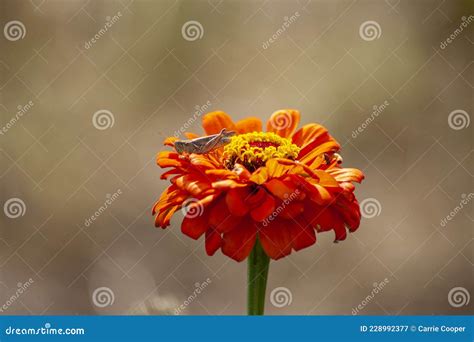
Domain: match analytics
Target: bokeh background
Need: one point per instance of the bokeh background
(150, 77)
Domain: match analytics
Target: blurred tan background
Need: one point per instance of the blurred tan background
(146, 77)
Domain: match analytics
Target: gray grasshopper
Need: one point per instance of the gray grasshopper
(204, 144)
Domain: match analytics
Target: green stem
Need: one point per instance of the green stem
(258, 264)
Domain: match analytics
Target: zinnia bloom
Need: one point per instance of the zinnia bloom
(281, 187)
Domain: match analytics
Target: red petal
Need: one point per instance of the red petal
(276, 238)
(213, 241)
(302, 234)
(235, 200)
(239, 242)
(264, 209)
(194, 227)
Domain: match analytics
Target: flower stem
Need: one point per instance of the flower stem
(258, 264)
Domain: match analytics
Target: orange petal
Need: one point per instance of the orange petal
(264, 209)
(249, 125)
(347, 175)
(190, 135)
(239, 242)
(259, 176)
(283, 122)
(309, 133)
(170, 141)
(214, 122)
(280, 189)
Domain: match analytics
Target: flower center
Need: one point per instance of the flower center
(254, 149)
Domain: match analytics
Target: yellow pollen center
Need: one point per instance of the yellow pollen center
(254, 149)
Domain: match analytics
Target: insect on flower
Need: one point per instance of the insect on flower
(204, 144)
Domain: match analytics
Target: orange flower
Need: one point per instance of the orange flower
(282, 186)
